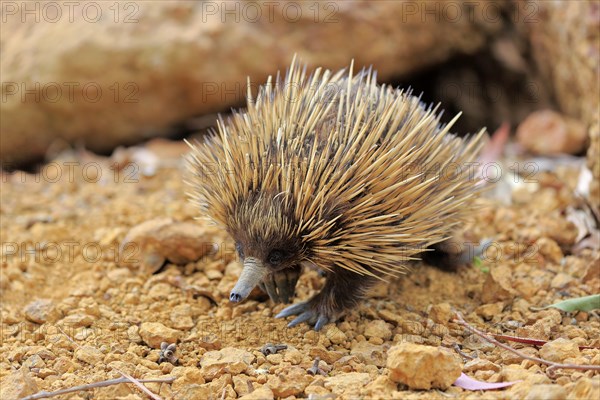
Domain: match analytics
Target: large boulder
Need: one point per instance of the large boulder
(565, 37)
(104, 73)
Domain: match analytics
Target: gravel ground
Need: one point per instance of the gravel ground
(84, 297)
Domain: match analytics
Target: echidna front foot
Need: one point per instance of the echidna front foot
(342, 291)
(308, 311)
(281, 285)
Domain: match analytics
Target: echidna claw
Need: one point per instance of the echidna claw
(281, 285)
(306, 313)
(292, 310)
(322, 321)
(268, 285)
(305, 316)
(286, 284)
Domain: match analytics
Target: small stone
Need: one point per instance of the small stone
(275, 358)
(351, 382)
(380, 388)
(133, 334)
(220, 385)
(186, 376)
(260, 393)
(227, 360)
(516, 372)
(131, 298)
(561, 280)
(213, 274)
(154, 333)
(423, 367)
(40, 311)
(546, 392)
(17, 385)
(89, 354)
(560, 349)
(317, 391)
(35, 361)
(78, 320)
(498, 285)
(181, 317)
(376, 340)
(16, 354)
(335, 334)
(441, 313)
(480, 364)
(585, 388)
(293, 356)
(369, 353)
(328, 356)
(42, 352)
(194, 391)
(45, 372)
(292, 383)
(549, 249)
(547, 132)
(488, 311)
(378, 328)
(160, 291)
(118, 274)
(63, 365)
(390, 316)
(508, 357)
(242, 384)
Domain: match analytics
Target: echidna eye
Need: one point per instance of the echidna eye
(239, 249)
(275, 257)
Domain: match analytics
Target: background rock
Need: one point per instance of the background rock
(124, 74)
(565, 37)
(547, 132)
(133, 72)
(161, 239)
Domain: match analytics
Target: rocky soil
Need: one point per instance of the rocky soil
(85, 296)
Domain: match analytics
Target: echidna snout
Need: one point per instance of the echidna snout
(252, 274)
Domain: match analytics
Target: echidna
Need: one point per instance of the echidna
(334, 171)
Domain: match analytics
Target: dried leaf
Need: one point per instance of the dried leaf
(495, 147)
(587, 303)
(590, 242)
(468, 383)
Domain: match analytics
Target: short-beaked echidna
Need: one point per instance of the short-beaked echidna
(334, 171)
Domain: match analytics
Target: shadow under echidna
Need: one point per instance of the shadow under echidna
(334, 171)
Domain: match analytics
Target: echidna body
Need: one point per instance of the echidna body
(333, 171)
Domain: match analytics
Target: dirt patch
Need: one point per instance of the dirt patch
(77, 308)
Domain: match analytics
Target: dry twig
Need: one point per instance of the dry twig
(551, 364)
(534, 342)
(128, 377)
(109, 382)
(463, 354)
(138, 384)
